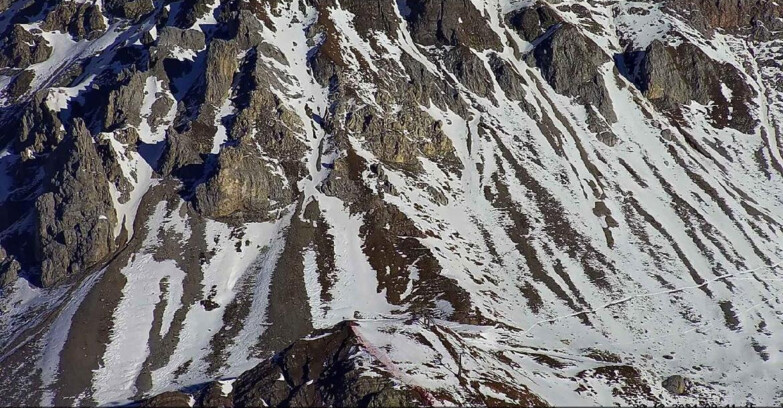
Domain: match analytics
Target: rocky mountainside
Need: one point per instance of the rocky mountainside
(391, 202)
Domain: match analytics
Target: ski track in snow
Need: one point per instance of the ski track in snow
(646, 295)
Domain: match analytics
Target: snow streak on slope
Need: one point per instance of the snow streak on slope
(538, 248)
(677, 235)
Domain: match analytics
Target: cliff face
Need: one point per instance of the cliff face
(354, 202)
(759, 18)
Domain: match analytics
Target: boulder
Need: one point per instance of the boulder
(677, 384)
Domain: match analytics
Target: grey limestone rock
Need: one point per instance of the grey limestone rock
(124, 103)
(571, 63)
(75, 219)
(9, 268)
(170, 37)
(673, 76)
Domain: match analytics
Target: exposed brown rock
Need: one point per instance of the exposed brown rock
(321, 372)
(730, 15)
(372, 16)
(677, 384)
(131, 9)
(213, 397)
(244, 185)
(22, 49)
(450, 22)
(81, 20)
(173, 399)
(20, 84)
(221, 65)
(399, 140)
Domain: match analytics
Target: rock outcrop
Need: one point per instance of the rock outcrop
(124, 103)
(329, 368)
(20, 49)
(759, 17)
(221, 65)
(509, 80)
(673, 76)
(468, 182)
(325, 370)
(169, 38)
(450, 22)
(75, 219)
(9, 268)
(171, 399)
(81, 20)
(677, 384)
(572, 64)
(131, 9)
(398, 141)
(532, 22)
(37, 129)
(244, 186)
(190, 12)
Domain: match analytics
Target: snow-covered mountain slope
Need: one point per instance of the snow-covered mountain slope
(511, 202)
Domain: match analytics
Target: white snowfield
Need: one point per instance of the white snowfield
(696, 278)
